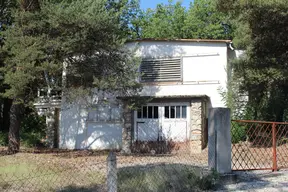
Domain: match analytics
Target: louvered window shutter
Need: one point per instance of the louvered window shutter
(161, 70)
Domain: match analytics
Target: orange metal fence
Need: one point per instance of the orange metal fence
(259, 145)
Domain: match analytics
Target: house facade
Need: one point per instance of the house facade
(181, 80)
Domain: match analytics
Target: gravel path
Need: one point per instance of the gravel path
(258, 181)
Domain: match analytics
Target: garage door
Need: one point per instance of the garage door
(147, 123)
(175, 124)
(162, 121)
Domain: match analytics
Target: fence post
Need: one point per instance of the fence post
(219, 140)
(111, 172)
(274, 147)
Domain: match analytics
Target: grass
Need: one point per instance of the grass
(45, 172)
(86, 171)
(26, 176)
(162, 178)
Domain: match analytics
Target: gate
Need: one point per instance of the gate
(259, 145)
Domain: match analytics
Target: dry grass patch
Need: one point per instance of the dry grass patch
(50, 172)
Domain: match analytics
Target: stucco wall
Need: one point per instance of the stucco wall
(205, 61)
(72, 126)
(203, 68)
(76, 132)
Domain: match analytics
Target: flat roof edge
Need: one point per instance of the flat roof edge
(166, 97)
(181, 40)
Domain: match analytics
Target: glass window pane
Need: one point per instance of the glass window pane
(145, 112)
(104, 113)
(166, 112)
(92, 115)
(184, 112)
(116, 113)
(139, 113)
(172, 112)
(177, 111)
(156, 115)
(150, 112)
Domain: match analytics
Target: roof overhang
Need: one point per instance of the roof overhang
(166, 97)
(181, 40)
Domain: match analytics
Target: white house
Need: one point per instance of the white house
(181, 77)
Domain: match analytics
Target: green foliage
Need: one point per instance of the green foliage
(130, 13)
(84, 34)
(262, 73)
(204, 21)
(209, 181)
(238, 133)
(166, 21)
(172, 21)
(33, 130)
(3, 138)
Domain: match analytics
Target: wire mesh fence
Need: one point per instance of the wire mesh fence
(52, 171)
(62, 170)
(158, 166)
(259, 145)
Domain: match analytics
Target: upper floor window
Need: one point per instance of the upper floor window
(161, 70)
(52, 94)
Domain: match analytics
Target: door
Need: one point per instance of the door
(147, 123)
(162, 121)
(175, 122)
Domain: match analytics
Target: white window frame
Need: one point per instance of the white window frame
(147, 113)
(95, 111)
(175, 106)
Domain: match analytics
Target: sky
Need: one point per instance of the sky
(152, 3)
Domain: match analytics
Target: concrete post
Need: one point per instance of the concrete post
(50, 122)
(52, 131)
(111, 172)
(219, 139)
(126, 130)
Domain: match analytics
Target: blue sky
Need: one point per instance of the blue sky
(152, 3)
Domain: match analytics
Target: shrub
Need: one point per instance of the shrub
(238, 132)
(169, 177)
(3, 138)
(208, 181)
(33, 129)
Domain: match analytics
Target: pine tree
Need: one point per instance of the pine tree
(173, 21)
(83, 34)
(261, 28)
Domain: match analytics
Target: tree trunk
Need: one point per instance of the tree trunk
(16, 115)
(17, 109)
(6, 114)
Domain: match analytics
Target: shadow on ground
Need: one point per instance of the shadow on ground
(93, 188)
(256, 181)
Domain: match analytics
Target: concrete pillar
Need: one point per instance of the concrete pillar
(52, 122)
(196, 126)
(111, 172)
(219, 140)
(126, 130)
